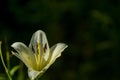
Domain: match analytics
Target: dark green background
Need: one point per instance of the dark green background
(89, 27)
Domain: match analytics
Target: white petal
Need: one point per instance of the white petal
(39, 45)
(34, 74)
(24, 53)
(56, 51)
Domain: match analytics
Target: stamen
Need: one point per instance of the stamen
(38, 48)
(33, 49)
(45, 48)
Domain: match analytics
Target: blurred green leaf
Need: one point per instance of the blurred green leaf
(14, 69)
(3, 76)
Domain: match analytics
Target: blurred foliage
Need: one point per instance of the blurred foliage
(89, 27)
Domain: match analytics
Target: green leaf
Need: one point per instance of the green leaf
(14, 69)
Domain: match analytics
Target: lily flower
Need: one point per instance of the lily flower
(38, 57)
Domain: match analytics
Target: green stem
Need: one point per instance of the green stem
(8, 60)
(7, 54)
(7, 72)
